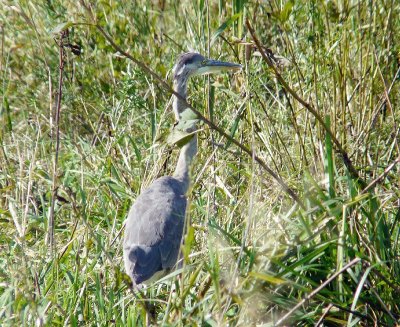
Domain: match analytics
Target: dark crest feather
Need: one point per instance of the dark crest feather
(187, 59)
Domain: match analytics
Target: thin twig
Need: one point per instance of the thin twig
(346, 160)
(384, 306)
(50, 231)
(316, 291)
(326, 311)
(356, 313)
(388, 102)
(381, 177)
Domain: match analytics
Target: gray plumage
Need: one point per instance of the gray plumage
(156, 231)
(154, 227)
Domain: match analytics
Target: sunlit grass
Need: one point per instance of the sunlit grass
(252, 253)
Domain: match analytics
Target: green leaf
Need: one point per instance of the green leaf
(185, 129)
(224, 26)
(187, 121)
(180, 138)
(286, 11)
(186, 125)
(188, 244)
(267, 278)
(187, 114)
(329, 164)
(235, 124)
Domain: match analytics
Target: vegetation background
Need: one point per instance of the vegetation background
(328, 125)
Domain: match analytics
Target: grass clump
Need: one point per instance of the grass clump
(327, 126)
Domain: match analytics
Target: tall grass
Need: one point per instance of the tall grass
(252, 254)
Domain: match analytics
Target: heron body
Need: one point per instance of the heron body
(162, 208)
(154, 226)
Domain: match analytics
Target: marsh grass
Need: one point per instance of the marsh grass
(252, 255)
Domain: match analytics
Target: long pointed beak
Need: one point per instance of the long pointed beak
(211, 66)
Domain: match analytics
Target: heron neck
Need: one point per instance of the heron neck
(180, 86)
(188, 151)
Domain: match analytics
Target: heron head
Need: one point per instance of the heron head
(192, 63)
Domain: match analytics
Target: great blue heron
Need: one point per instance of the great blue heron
(154, 227)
